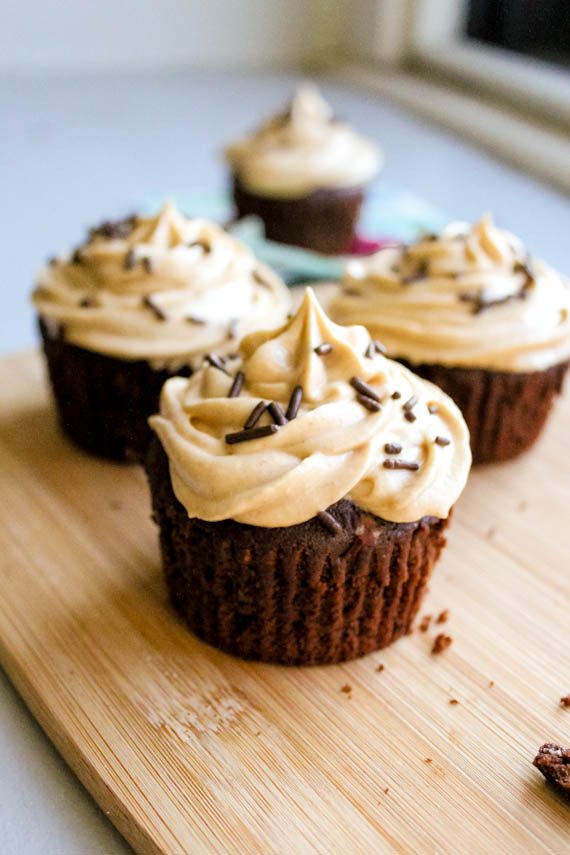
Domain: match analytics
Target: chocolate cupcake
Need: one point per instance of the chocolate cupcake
(303, 493)
(304, 173)
(142, 300)
(471, 311)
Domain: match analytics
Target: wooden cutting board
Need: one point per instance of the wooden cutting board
(189, 750)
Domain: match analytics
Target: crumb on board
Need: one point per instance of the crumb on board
(428, 760)
(565, 702)
(441, 642)
(491, 683)
(386, 790)
(424, 623)
(554, 763)
(380, 668)
(443, 616)
(346, 689)
(453, 702)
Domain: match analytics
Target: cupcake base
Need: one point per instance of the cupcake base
(323, 221)
(103, 403)
(299, 595)
(505, 411)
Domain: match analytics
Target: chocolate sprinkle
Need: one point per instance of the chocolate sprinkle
(396, 395)
(409, 416)
(202, 244)
(442, 440)
(112, 230)
(87, 303)
(412, 465)
(237, 385)
(480, 304)
(364, 389)
(259, 278)
(329, 522)
(252, 433)
(216, 362)
(373, 348)
(156, 310)
(369, 403)
(392, 448)
(130, 260)
(294, 403)
(275, 410)
(255, 415)
(199, 322)
(410, 403)
(323, 349)
(419, 274)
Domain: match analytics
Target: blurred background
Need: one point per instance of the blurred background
(108, 106)
(111, 105)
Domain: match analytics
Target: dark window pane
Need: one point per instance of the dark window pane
(537, 28)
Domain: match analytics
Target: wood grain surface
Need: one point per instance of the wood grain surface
(189, 750)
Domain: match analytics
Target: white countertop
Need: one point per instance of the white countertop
(84, 149)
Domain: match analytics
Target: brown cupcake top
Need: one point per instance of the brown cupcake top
(470, 296)
(162, 288)
(306, 415)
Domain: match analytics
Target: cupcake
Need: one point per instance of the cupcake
(471, 311)
(304, 174)
(141, 300)
(302, 494)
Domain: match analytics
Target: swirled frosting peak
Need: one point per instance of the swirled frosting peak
(306, 415)
(162, 288)
(303, 149)
(470, 296)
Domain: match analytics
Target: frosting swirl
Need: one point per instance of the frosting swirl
(303, 149)
(163, 288)
(398, 447)
(470, 296)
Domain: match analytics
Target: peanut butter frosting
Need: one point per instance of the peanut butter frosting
(303, 149)
(470, 296)
(306, 415)
(164, 288)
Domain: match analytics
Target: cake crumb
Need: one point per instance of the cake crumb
(565, 702)
(443, 616)
(346, 689)
(380, 668)
(424, 623)
(386, 790)
(428, 760)
(453, 702)
(554, 763)
(491, 683)
(441, 642)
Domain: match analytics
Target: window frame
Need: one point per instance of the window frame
(427, 36)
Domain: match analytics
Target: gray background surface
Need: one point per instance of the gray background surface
(75, 151)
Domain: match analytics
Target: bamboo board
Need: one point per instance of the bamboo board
(189, 750)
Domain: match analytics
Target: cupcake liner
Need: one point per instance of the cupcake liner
(299, 595)
(505, 411)
(103, 403)
(323, 221)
